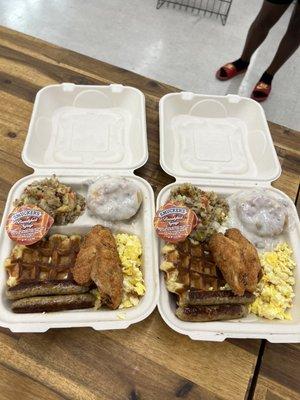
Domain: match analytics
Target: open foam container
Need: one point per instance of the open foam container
(81, 133)
(223, 144)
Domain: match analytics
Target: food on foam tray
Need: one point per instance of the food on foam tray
(194, 275)
(237, 259)
(28, 224)
(55, 198)
(210, 208)
(130, 252)
(262, 215)
(98, 261)
(70, 272)
(275, 289)
(114, 199)
(220, 276)
(40, 278)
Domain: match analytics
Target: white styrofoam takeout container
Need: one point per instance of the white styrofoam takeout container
(223, 143)
(81, 133)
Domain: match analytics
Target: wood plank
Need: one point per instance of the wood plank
(286, 141)
(186, 356)
(70, 354)
(279, 373)
(14, 385)
(91, 68)
(82, 363)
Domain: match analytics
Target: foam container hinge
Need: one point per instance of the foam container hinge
(80, 133)
(223, 144)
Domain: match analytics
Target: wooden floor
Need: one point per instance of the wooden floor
(149, 360)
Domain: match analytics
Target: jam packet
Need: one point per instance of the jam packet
(174, 222)
(28, 224)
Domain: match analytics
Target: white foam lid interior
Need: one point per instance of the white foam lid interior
(216, 137)
(87, 127)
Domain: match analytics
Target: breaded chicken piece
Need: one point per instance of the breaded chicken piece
(83, 265)
(99, 236)
(108, 276)
(228, 257)
(84, 260)
(250, 256)
(96, 238)
(98, 261)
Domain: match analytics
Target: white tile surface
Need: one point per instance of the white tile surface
(169, 45)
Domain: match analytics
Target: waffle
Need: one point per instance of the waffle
(193, 275)
(190, 267)
(50, 259)
(203, 294)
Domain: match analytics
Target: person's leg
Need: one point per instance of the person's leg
(267, 17)
(288, 45)
(269, 14)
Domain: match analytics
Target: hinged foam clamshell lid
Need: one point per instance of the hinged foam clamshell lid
(216, 137)
(90, 128)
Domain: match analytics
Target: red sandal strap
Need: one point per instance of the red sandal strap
(230, 70)
(263, 88)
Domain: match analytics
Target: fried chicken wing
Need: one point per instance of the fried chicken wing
(107, 275)
(83, 265)
(98, 261)
(250, 256)
(99, 236)
(228, 257)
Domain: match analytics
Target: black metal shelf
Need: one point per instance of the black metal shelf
(218, 8)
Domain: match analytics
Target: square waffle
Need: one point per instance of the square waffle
(49, 259)
(203, 294)
(190, 267)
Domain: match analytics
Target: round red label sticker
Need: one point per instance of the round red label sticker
(174, 222)
(28, 224)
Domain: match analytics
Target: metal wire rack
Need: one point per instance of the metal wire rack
(218, 8)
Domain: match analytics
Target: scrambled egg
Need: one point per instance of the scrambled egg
(130, 253)
(275, 289)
